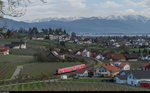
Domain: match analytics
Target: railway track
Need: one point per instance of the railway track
(90, 63)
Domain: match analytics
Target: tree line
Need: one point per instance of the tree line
(31, 32)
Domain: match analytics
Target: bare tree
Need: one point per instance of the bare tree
(14, 8)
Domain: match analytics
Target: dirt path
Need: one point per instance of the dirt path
(16, 73)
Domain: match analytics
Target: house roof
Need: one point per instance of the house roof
(111, 68)
(122, 64)
(80, 71)
(131, 56)
(123, 77)
(140, 74)
(117, 56)
(3, 49)
(147, 64)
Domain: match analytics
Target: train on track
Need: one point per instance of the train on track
(70, 69)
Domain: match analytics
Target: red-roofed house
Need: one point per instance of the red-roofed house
(4, 51)
(115, 57)
(121, 65)
(146, 66)
(81, 72)
(108, 70)
(118, 57)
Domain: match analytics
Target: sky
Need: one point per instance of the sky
(84, 8)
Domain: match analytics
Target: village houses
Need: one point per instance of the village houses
(17, 45)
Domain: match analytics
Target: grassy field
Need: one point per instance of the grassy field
(6, 70)
(16, 59)
(8, 64)
(71, 86)
(36, 69)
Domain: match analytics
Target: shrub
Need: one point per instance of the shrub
(41, 57)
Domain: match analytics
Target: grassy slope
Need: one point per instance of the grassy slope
(16, 59)
(75, 86)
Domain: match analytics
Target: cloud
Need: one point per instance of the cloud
(85, 8)
(142, 3)
(110, 4)
(126, 12)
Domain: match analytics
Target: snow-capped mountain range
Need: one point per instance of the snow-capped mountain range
(110, 24)
(111, 17)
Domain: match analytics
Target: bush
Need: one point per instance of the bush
(41, 57)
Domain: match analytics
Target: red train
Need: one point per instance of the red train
(145, 85)
(69, 69)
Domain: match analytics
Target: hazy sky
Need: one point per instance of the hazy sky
(85, 8)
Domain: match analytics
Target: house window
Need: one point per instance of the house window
(130, 76)
(131, 82)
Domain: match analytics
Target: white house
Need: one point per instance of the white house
(78, 53)
(63, 76)
(122, 77)
(81, 72)
(137, 76)
(86, 53)
(146, 58)
(17, 45)
(100, 57)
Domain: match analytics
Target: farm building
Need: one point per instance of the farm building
(137, 76)
(63, 76)
(146, 66)
(81, 72)
(121, 65)
(108, 70)
(131, 57)
(4, 51)
(17, 45)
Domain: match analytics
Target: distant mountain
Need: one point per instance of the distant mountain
(111, 24)
(56, 19)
